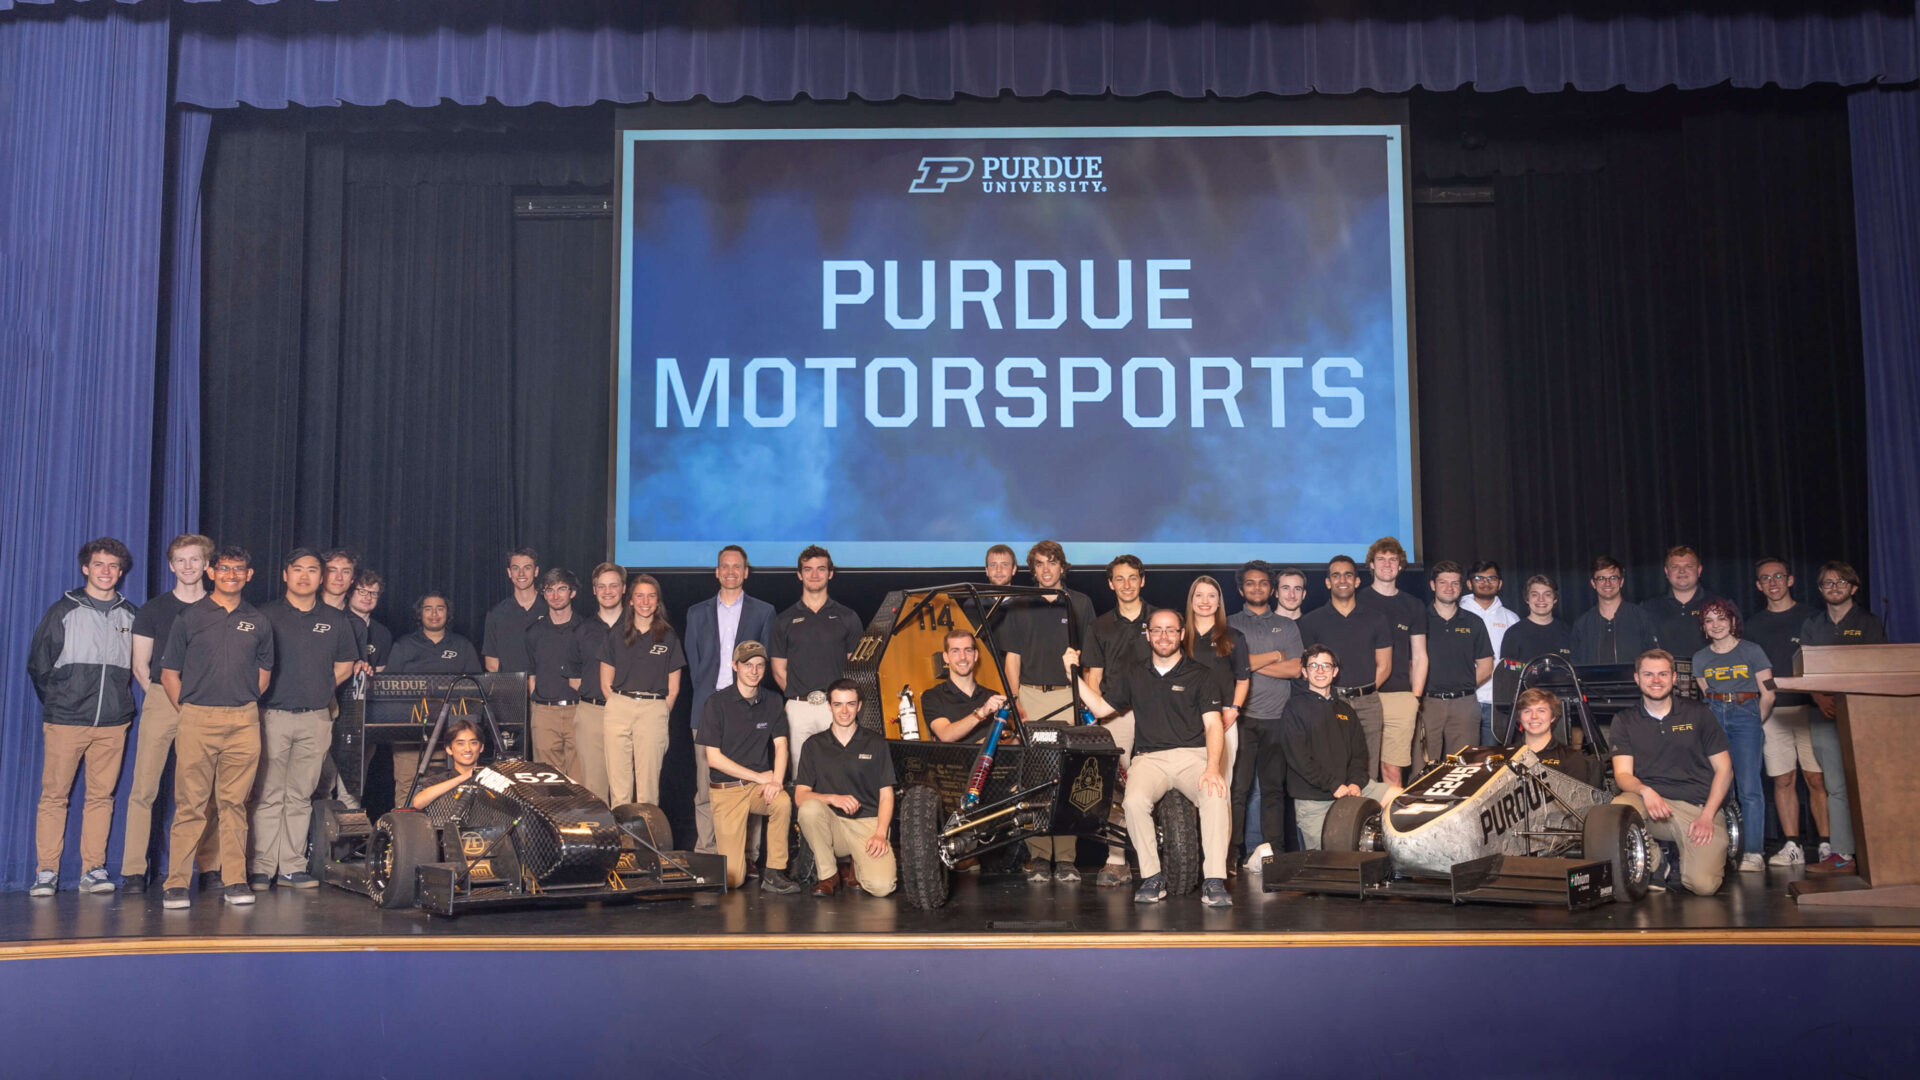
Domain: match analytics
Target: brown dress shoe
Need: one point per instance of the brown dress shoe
(847, 877)
(827, 886)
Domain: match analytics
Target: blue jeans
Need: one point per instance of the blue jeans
(1486, 724)
(1827, 751)
(1741, 721)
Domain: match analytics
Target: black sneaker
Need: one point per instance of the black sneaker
(211, 881)
(777, 882)
(175, 899)
(1213, 893)
(259, 882)
(1066, 873)
(134, 884)
(1152, 891)
(237, 893)
(1039, 871)
(299, 879)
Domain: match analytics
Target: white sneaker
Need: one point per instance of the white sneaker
(1826, 849)
(1752, 862)
(1790, 854)
(1257, 861)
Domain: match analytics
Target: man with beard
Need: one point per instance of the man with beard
(1673, 764)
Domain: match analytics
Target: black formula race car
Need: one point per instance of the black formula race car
(1491, 824)
(517, 834)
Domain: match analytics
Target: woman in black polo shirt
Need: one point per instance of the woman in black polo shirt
(1210, 641)
(640, 664)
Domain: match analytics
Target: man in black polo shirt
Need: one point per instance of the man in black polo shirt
(1036, 631)
(844, 798)
(1400, 692)
(431, 649)
(958, 709)
(1459, 659)
(1672, 763)
(1675, 614)
(1843, 622)
(743, 732)
(1787, 730)
(1113, 640)
(1358, 632)
(314, 652)
(556, 665)
(217, 662)
(1613, 631)
(810, 644)
(505, 635)
(1179, 744)
(375, 638)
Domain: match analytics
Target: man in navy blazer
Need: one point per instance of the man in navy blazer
(714, 626)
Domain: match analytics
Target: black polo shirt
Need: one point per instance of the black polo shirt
(219, 653)
(1226, 670)
(1858, 627)
(505, 634)
(642, 667)
(815, 645)
(1453, 644)
(860, 769)
(1037, 631)
(1619, 640)
(1167, 709)
(743, 730)
(376, 641)
(1578, 764)
(1677, 626)
(1778, 635)
(1353, 639)
(1670, 753)
(1526, 641)
(451, 655)
(1112, 640)
(555, 657)
(945, 701)
(306, 645)
(1326, 748)
(1406, 620)
(154, 620)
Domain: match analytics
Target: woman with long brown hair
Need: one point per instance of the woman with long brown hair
(640, 665)
(1223, 650)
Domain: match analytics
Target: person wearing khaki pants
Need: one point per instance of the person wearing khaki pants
(555, 666)
(80, 660)
(845, 799)
(153, 742)
(217, 662)
(639, 670)
(1672, 762)
(743, 733)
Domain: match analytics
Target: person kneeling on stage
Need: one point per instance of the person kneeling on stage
(1178, 744)
(463, 757)
(1540, 713)
(743, 730)
(1673, 764)
(844, 797)
(1326, 747)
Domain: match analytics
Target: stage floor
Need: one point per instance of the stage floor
(989, 912)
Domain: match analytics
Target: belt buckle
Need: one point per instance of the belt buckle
(816, 697)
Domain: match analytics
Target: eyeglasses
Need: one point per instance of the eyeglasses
(1773, 577)
(1478, 578)
(1322, 666)
(366, 592)
(1602, 579)
(1833, 583)
(1163, 631)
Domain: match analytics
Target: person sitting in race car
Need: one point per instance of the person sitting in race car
(1672, 762)
(1178, 745)
(1540, 713)
(463, 745)
(1326, 747)
(843, 799)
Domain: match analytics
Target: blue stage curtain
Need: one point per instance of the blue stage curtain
(1885, 127)
(177, 480)
(574, 52)
(83, 97)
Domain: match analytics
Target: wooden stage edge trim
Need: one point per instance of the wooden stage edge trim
(169, 946)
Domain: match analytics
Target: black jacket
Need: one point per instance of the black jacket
(81, 662)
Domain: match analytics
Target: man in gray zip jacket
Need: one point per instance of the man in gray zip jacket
(81, 664)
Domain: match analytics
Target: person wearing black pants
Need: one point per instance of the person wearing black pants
(1274, 648)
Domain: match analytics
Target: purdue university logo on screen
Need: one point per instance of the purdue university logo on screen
(1015, 174)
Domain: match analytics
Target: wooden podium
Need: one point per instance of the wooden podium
(1878, 687)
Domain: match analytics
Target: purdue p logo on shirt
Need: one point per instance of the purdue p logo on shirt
(448, 654)
(243, 626)
(658, 650)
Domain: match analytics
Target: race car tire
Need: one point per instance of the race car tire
(320, 836)
(1736, 833)
(1352, 824)
(800, 865)
(402, 842)
(1178, 824)
(1616, 834)
(923, 877)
